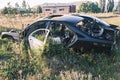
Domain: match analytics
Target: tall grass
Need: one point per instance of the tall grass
(56, 63)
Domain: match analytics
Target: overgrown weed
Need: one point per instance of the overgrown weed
(56, 63)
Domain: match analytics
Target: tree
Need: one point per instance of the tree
(8, 4)
(118, 6)
(39, 9)
(17, 8)
(83, 7)
(102, 5)
(110, 5)
(8, 10)
(24, 4)
(17, 5)
(14, 11)
(89, 7)
(5, 10)
(29, 9)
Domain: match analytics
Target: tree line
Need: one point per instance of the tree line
(93, 7)
(100, 6)
(24, 8)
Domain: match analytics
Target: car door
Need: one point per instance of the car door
(37, 38)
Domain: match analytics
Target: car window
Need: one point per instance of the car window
(40, 24)
(61, 30)
(35, 26)
(56, 29)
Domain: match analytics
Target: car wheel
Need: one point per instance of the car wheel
(8, 37)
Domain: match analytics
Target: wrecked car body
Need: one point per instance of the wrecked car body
(12, 34)
(72, 31)
(76, 31)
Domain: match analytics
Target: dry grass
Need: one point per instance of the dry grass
(18, 22)
(108, 17)
(113, 20)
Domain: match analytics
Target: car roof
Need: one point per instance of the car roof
(64, 18)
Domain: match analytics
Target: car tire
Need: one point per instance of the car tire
(8, 37)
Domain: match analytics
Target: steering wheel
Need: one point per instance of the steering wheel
(93, 29)
(96, 29)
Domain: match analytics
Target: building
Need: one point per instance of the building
(58, 8)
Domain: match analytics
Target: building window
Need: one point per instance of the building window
(62, 9)
(47, 10)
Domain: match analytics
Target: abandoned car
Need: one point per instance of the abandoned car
(76, 31)
(12, 34)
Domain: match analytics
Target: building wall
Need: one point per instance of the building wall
(55, 10)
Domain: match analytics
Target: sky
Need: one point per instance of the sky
(33, 3)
